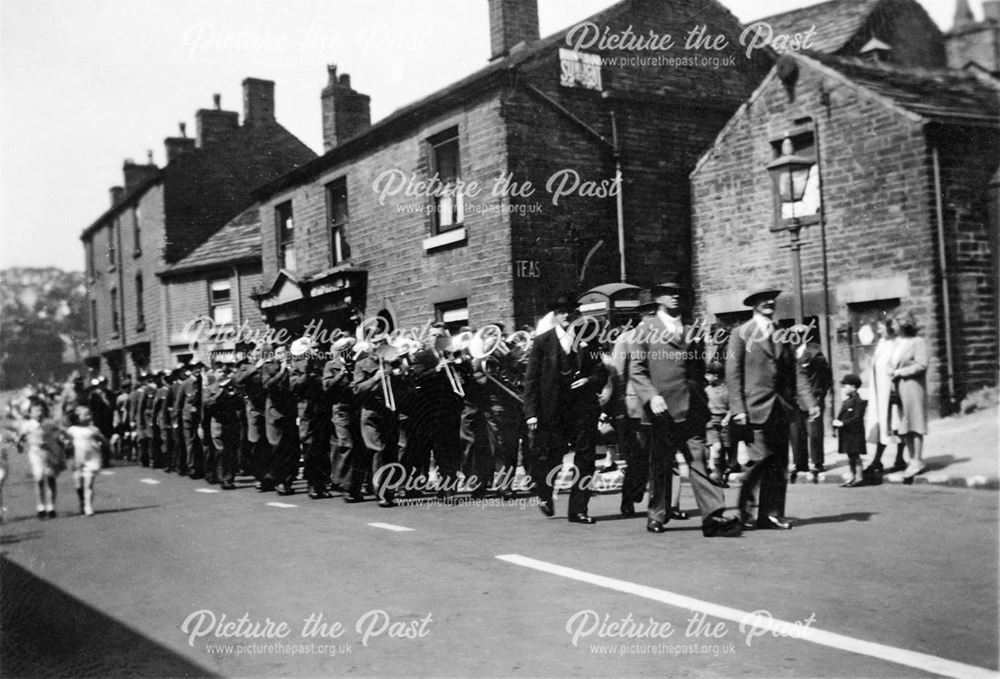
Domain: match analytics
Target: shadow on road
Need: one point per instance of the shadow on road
(49, 633)
(20, 537)
(839, 518)
(941, 461)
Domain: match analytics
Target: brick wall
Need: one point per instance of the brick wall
(386, 240)
(879, 215)
(980, 44)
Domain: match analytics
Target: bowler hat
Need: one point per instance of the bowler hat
(755, 298)
(671, 283)
(563, 305)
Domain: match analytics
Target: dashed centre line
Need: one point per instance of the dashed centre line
(390, 526)
(151, 482)
(206, 490)
(914, 659)
(282, 505)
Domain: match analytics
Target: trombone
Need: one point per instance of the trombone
(386, 353)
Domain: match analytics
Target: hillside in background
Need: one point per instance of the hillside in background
(43, 324)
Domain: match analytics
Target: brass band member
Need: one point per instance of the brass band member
(279, 421)
(561, 405)
(306, 383)
(345, 418)
(223, 407)
(190, 411)
(373, 387)
(249, 380)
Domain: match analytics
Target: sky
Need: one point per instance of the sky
(85, 84)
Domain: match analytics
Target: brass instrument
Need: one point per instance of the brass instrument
(489, 346)
(387, 353)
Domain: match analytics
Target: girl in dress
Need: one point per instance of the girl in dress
(39, 438)
(87, 444)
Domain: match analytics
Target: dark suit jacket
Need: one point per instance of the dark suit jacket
(281, 405)
(817, 371)
(191, 400)
(545, 389)
(762, 375)
(666, 364)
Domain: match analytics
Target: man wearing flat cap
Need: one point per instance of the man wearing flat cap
(561, 406)
(764, 380)
(667, 371)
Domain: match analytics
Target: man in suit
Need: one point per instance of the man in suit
(667, 371)
(763, 380)
(562, 382)
(175, 414)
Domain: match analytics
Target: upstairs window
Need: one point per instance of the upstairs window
(89, 248)
(140, 307)
(454, 314)
(221, 301)
(336, 209)
(136, 233)
(112, 240)
(286, 235)
(115, 320)
(449, 203)
(93, 320)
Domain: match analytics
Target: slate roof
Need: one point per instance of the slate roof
(952, 97)
(836, 22)
(237, 242)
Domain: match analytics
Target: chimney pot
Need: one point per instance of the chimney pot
(117, 192)
(217, 100)
(184, 131)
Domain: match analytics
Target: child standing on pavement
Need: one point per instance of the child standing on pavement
(851, 429)
(717, 431)
(38, 437)
(87, 444)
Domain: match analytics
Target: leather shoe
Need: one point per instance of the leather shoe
(386, 503)
(353, 498)
(774, 523)
(547, 508)
(747, 522)
(627, 508)
(679, 515)
(718, 526)
(655, 527)
(582, 518)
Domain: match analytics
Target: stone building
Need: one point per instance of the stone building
(975, 43)
(162, 214)
(484, 200)
(899, 212)
(896, 31)
(208, 304)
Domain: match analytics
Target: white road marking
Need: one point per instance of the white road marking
(390, 526)
(206, 490)
(920, 661)
(107, 473)
(283, 505)
(152, 482)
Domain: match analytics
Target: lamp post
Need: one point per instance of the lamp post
(790, 173)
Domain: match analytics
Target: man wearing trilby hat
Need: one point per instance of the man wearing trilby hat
(562, 383)
(667, 370)
(763, 381)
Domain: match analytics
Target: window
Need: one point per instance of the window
(89, 247)
(112, 239)
(454, 314)
(136, 233)
(449, 203)
(286, 235)
(93, 320)
(336, 210)
(221, 301)
(808, 208)
(140, 311)
(114, 312)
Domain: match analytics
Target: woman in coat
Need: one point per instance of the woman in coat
(908, 369)
(877, 415)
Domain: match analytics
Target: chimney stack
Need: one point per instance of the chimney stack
(258, 102)
(346, 113)
(178, 145)
(212, 125)
(136, 174)
(991, 10)
(117, 192)
(512, 22)
(963, 15)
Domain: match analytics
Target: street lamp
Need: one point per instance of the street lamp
(790, 174)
